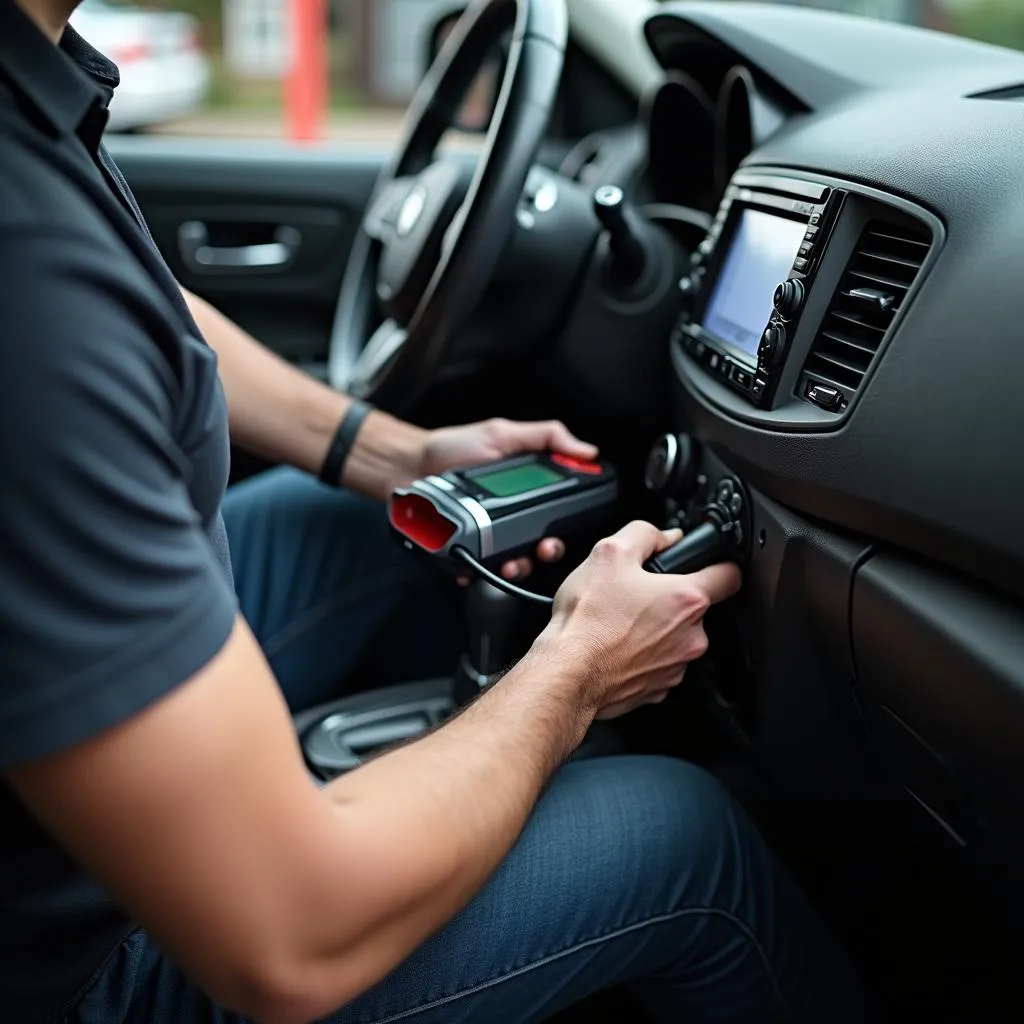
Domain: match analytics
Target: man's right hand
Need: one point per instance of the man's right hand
(633, 631)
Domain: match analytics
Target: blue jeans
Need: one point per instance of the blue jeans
(637, 871)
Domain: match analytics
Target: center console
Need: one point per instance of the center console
(794, 294)
(340, 736)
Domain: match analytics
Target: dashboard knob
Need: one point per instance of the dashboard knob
(672, 466)
(773, 345)
(789, 297)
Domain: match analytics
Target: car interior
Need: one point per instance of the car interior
(768, 258)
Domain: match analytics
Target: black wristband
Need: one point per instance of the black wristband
(344, 439)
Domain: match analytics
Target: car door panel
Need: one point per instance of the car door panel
(262, 230)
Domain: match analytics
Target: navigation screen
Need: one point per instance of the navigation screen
(762, 254)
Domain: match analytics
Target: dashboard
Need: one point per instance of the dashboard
(849, 348)
(905, 352)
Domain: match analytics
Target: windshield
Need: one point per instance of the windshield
(991, 21)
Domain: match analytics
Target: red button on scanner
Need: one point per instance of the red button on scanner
(577, 465)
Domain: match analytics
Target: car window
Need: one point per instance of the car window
(224, 68)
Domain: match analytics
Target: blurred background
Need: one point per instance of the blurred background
(222, 67)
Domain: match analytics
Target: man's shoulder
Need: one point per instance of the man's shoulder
(40, 186)
(74, 299)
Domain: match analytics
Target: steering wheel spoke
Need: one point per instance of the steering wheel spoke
(381, 350)
(381, 220)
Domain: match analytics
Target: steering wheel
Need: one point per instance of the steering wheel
(433, 233)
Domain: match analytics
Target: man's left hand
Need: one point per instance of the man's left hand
(455, 447)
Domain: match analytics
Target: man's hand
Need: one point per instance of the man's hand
(454, 447)
(635, 631)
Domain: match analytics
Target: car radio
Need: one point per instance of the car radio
(749, 278)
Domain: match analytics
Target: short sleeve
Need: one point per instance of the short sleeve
(111, 594)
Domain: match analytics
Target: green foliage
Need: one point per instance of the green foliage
(992, 21)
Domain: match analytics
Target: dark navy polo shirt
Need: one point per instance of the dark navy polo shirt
(115, 582)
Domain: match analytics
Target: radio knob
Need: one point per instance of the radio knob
(672, 466)
(773, 344)
(789, 298)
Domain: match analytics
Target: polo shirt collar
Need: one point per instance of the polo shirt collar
(63, 83)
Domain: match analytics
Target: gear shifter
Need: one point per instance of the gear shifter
(628, 256)
(492, 617)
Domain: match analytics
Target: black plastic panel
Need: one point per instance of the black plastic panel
(799, 583)
(940, 668)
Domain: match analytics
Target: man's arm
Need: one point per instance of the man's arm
(285, 415)
(285, 902)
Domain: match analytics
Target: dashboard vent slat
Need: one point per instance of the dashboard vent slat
(842, 340)
(880, 273)
(889, 260)
(878, 279)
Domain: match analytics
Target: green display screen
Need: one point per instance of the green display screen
(508, 483)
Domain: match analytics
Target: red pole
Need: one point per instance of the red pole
(306, 86)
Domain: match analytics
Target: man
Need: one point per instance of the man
(164, 855)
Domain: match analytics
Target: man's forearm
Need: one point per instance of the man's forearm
(285, 415)
(436, 819)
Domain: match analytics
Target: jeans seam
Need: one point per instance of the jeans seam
(586, 944)
(312, 617)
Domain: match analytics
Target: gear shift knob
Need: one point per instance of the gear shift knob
(492, 617)
(628, 257)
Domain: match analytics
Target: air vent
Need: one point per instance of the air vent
(872, 291)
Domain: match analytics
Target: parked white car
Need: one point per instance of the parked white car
(164, 72)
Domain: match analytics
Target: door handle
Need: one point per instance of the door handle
(203, 258)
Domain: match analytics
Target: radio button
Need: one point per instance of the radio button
(758, 388)
(800, 264)
(742, 378)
